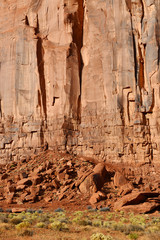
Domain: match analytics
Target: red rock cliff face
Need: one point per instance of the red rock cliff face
(82, 76)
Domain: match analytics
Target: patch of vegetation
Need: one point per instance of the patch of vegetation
(16, 220)
(100, 236)
(40, 225)
(133, 236)
(59, 226)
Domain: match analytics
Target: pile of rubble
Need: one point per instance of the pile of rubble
(51, 177)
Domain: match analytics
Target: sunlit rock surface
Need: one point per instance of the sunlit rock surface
(81, 76)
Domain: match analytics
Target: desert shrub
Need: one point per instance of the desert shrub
(16, 220)
(5, 226)
(138, 220)
(155, 220)
(133, 236)
(124, 220)
(22, 225)
(97, 223)
(122, 213)
(23, 229)
(125, 228)
(59, 226)
(51, 219)
(40, 225)
(134, 228)
(79, 213)
(11, 215)
(110, 216)
(81, 221)
(25, 232)
(100, 236)
(43, 218)
(3, 218)
(109, 224)
(154, 229)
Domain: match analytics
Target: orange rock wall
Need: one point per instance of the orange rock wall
(82, 76)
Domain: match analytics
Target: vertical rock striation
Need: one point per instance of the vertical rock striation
(81, 75)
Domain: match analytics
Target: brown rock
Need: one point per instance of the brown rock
(22, 197)
(36, 180)
(119, 179)
(49, 172)
(18, 210)
(96, 197)
(39, 169)
(125, 189)
(4, 176)
(20, 187)
(48, 199)
(11, 188)
(30, 198)
(94, 181)
(134, 199)
(25, 181)
(9, 197)
(61, 196)
(89, 104)
(56, 184)
(145, 207)
(23, 175)
(61, 176)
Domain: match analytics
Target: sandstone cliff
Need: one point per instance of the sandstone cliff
(81, 76)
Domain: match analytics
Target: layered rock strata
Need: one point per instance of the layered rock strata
(81, 76)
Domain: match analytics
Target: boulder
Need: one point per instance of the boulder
(96, 197)
(145, 207)
(125, 189)
(25, 181)
(95, 181)
(134, 198)
(119, 179)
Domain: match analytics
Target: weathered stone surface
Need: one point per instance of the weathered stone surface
(96, 197)
(84, 79)
(119, 179)
(95, 181)
(24, 181)
(134, 198)
(141, 208)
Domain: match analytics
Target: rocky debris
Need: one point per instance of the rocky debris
(50, 177)
(96, 197)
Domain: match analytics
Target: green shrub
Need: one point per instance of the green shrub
(100, 236)
(41, 225)
(79, 213)
(22, 225)
(81, 222)
(97, 223)
(16, 220)
(138, 220)
(133, 236)
(154, 229)
(3, 218)
(124, 220)
(59, 226)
